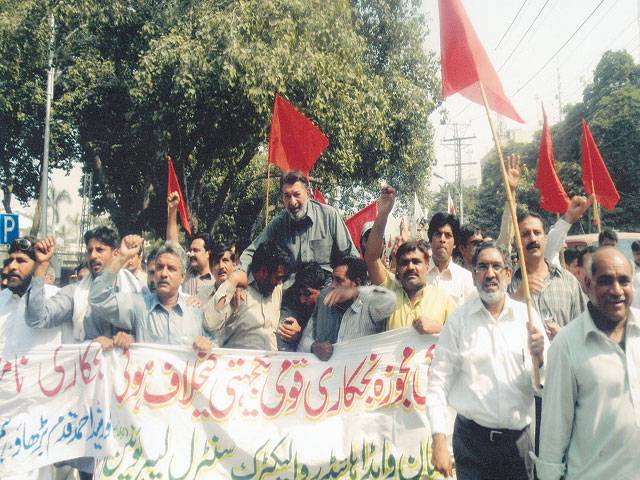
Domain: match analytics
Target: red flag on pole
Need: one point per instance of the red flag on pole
(357, 221)
(318, 197)
(553, 198)
(465, 63)
(174, 186)
(295, 143)
(595, 176)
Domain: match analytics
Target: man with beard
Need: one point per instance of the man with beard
(424, 307)
(444, 272)
(200, 251)
(244, 312)
(347, 309)
(309, 230)
(482, 368)
(164, 317)
(71, 303)
(555, 292)
(591, 420)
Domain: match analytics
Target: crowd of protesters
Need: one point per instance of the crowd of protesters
(302, 285)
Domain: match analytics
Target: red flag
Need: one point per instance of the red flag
(595, 176)
(318, 197)
(174, 186)
(465, 63)
(553, 198)
(294, 143)
(357, 221)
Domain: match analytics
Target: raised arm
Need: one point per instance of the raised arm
(375, 244)
(173, 199)
(506, 224)
(108, 305)
(40, 311)
(559, 231)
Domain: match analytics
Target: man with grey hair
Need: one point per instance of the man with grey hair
(483, 369)
(163, 317)
(591, 420)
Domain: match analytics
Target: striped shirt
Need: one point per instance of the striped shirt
(365, 316)
(561, 298)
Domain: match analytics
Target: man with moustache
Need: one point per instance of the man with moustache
(223, 264)
(555, 292)
(163, 317)
(200, 251)
(470, 237)
(71, 303)
(424, 307)
(309, 230)
(591, 420)
(444, 273)
(482, 368)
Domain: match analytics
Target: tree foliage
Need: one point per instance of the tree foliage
(611, 105)
(196, 80)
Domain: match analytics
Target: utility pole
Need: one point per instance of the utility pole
(44, 172)
(458, 142)
(85, 215)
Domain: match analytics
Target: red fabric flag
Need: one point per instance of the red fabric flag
(174, 186)
(318, 197)
(553, 198)
(465, 63)
(595, 176)
(357, 221)
(294, 143)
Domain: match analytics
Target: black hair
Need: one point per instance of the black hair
(441, 219)
(151, 256)
(522, 215)
(310, 275)
(635, 246)
(218, 249)
(506, 256)
(467, 231)
(206, 238)
(590, 250)
(292, 177)
(356, 268)
(25, 245)
(421, 245)
(105, 235)
(571, 254)
(76, 271)
(270, 255)
(6, 262)
(607, 235)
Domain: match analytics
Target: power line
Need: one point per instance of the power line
(523, 35)
(559, 49)
(511, 24)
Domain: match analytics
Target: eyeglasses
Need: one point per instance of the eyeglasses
(22, 244)
(484, 267)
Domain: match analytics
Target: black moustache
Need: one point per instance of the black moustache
(531, 246)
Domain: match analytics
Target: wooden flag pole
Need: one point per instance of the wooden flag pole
(596, 207)
(266, 210)
(516, 230)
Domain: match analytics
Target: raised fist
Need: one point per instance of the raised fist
(44, 250)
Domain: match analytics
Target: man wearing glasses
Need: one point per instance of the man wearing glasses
(483, 369)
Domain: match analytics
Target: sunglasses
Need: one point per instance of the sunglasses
(23, 245)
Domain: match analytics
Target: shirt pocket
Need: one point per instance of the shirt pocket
(321, 250)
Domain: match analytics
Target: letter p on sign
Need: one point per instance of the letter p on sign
(9, 228)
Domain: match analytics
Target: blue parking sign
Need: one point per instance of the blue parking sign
(9, 228)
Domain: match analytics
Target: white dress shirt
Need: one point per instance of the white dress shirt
(454, 280)
(482, 368)
(636, 287)
(591, 416)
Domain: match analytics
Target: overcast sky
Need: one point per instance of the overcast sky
(613, 26)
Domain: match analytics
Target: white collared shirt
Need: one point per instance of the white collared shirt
(591, 417)
(454, 280)
(482, 368)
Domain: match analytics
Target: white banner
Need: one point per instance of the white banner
(165, 412)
